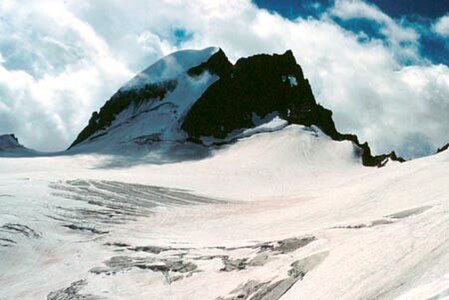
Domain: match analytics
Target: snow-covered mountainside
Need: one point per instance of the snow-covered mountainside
(10, 147)
(150, 107)
(192, 100)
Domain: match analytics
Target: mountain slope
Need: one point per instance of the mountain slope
(10, 147)
(150, 106)
(192, 100)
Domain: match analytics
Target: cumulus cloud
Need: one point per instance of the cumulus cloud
(397, 34)
(46, 98)
(441, 26)
(54, 72)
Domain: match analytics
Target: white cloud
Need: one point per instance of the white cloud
(98, 45)
(441, 26)
(53, 75)
(396, 33)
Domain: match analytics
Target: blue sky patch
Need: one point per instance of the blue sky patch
(292, 9)
(416, 14)
(181, 35)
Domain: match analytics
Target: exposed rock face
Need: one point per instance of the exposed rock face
(256, 87)
(444, 148)
(217, 64)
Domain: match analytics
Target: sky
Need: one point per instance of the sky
(380, 66)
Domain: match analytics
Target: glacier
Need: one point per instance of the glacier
(289, 214)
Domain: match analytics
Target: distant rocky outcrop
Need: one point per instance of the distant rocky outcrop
(10, 146)
(444, 148)
(9, 142)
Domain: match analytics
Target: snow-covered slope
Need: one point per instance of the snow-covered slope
(150, 107)
(289, 214)
(170, 67)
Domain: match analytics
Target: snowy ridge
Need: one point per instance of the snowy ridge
(148, 120)
(152, 120)
(169, 67)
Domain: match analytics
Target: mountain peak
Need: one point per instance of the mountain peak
(199, 97)
(218, 64)
(10, 147)
(259, 86)
(170, 66)
(8, 140)
(154, 100)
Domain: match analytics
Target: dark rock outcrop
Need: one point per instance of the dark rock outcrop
(217, 64)
(444, 148)
(258, 86)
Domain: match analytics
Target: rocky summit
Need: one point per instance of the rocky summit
(200, 97)
(10, 146)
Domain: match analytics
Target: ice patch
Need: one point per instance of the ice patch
(275, 124)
